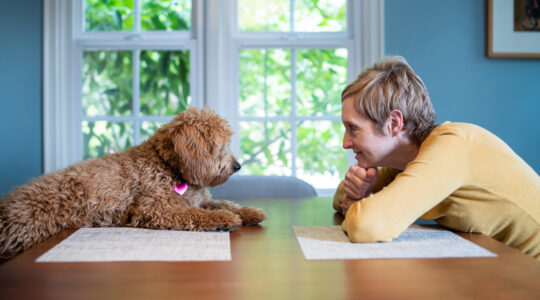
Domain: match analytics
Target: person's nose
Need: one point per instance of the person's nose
(347, 141)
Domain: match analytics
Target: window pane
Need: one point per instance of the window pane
(321, 160)
(263, 15)
(266, 148)
(166, 15)
(101, 138)
(319, 15)
(108, 15)
(148, 129)
(107, 83)
(265, 87)
(164, 82)
(320, 77)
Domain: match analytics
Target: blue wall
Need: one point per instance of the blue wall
(444, 42)
(20, 92)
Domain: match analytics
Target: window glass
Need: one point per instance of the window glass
(263, 15)
(265, 82)
(108, 15)
(101, 137)
(308, 15)
(164, 82)
(107, 83)
(148, 129)
(166, 15)
(266, 148)
(290, 89)
(321, 159)
(321, 74)
(319, 15)
(129, 89)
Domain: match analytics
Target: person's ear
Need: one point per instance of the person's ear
(395, 122)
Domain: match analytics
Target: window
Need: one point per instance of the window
(292, 62)
(132, 82)
(116, 70)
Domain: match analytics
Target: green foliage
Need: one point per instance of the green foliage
(107, 91)
(321, 75)
(320, 15)
(319, 148)
(309, 15)
(164, 77)
(148, 129)
(266, 147)
(101, 138)
(108, 15)
(263, 15)
(107, 83)
(265, 91)
(265, 82)
(166, 15)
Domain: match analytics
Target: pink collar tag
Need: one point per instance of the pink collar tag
(180, 189)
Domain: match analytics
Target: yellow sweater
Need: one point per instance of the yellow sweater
(464, 178)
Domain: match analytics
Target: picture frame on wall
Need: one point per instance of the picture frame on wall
(513, 28)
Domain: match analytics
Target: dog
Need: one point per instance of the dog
(143, 186)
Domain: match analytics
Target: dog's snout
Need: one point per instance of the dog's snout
(236, 167)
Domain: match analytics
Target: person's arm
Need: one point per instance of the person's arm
(440, 168)
(386, 175)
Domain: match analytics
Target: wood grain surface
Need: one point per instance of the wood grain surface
(267, 263)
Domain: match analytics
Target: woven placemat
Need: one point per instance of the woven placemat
(330, 242)
(136, 244)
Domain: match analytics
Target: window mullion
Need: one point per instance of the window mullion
(116, 119)
(136, 96)
(293, 112)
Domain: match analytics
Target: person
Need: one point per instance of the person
(458, 174)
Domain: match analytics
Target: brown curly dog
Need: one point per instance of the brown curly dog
(138, 187)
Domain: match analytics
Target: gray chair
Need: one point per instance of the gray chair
(254, 186)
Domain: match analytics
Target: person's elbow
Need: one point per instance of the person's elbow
(363, 230)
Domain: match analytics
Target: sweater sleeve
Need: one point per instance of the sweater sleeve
(439, 169)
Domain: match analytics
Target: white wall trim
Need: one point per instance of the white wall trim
(372, 24)
(367, 17)
(58, 114)
(219, 58)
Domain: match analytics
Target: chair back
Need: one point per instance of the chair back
(256, 186)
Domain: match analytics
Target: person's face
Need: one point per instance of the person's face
(370, 145)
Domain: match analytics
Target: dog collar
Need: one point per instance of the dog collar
(180, 189)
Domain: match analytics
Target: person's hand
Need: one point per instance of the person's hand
(358, 182)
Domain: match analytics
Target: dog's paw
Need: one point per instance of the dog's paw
(223, 220)
(251, 215)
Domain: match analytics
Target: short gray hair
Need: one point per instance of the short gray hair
(392, 84)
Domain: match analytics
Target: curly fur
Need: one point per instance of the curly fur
(133, 188)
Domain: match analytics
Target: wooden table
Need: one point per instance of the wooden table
(267, 263)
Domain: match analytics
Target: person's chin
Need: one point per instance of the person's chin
(365, 165)
(362, 164)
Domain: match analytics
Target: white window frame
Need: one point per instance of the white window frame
(213, 70)
(363, 41)
(64, 40)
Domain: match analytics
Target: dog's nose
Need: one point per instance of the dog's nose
(236, 167)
